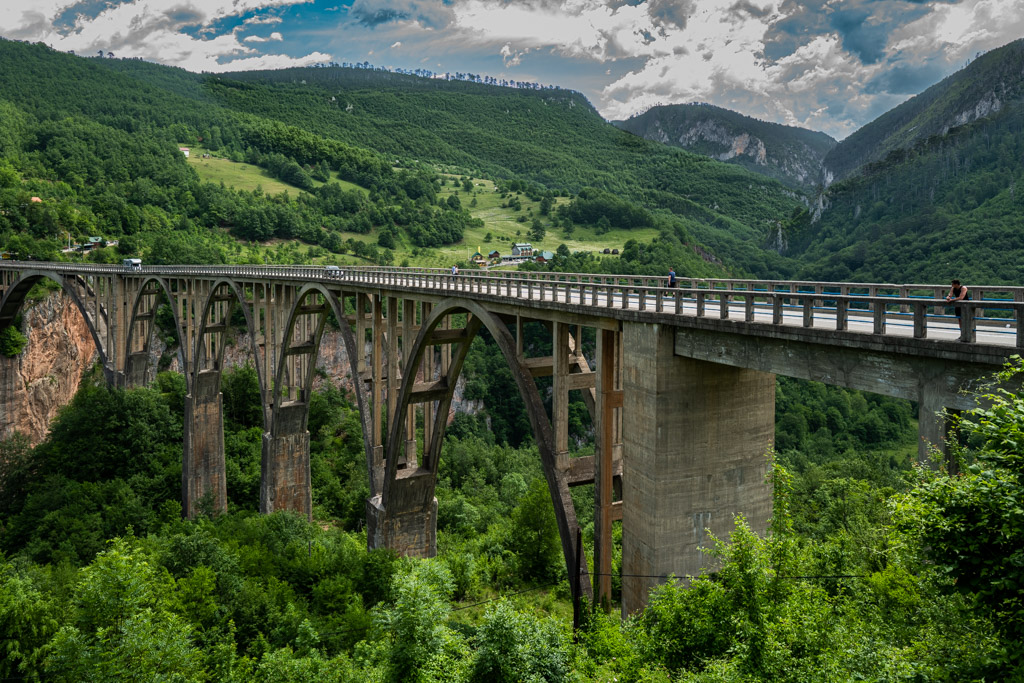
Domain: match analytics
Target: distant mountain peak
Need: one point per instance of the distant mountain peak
(789, 154)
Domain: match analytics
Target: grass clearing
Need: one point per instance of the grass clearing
(505, 229)
(502, 223)
(248, 177)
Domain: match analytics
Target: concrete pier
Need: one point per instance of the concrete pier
(203, 474)
(695, 437)
(411, 527)
(284, 469)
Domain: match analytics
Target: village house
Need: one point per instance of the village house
(544, 256)
(522, 249)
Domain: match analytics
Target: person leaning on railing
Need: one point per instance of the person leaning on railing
(957, 292)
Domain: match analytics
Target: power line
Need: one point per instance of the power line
(684, 576)
(507, 595)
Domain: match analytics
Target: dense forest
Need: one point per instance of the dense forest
(100, 150)
(872, 570)
(949, 207)
(930, 190)
(875, 567)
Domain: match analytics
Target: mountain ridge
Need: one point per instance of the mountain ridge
(789, 154)
(980, 89)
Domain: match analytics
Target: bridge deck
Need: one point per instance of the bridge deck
(876, 311)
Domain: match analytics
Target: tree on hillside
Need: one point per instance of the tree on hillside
(971, 525)
(537, 231)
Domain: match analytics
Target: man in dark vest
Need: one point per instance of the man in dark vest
(958, 292)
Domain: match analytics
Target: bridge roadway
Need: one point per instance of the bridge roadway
(679, 383)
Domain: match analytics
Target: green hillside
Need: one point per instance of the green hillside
(991, 81)
(109, 130)
(478, 129)
(948, 205)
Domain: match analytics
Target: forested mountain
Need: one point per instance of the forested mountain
(110, 128)
(790, 154)
(985, 87)
(940, 194)
(480, 129)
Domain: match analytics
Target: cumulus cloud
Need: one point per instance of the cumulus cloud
(823, 65)
(573, 28)
(509, 56)
(263, 20)
(156, 30)
(260, 39)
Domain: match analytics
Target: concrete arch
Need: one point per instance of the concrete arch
(352, 349)
(133, 319)
(336, 301)
(14, 298)
(203, 471)
(198, 350)
(285, 459)
(306, 382)
(416, 485)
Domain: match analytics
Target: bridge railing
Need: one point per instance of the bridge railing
(885, 307)
(916, 310)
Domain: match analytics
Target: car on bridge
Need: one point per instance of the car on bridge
(334, 272)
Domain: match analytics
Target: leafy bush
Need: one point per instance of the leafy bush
(12, 341)
(513, 646)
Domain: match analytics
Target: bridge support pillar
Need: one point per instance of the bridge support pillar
(138, 369)
(933, 425)
(203, 478)
(695, 434)
(409, 527)
(284, 469)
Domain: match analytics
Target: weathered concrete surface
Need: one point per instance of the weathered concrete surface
(203, 477)
(410, 525)
(937, 383)
(695, 436)
(285, 479)
(138, 369)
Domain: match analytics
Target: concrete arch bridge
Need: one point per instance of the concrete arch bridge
(679, 383)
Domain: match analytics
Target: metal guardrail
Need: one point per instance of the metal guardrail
(888, 309)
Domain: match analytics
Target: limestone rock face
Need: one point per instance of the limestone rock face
(47, 373)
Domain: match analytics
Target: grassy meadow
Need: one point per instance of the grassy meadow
(501, 223)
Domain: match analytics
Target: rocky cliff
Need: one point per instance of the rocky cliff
(789, 154)
(47, 373)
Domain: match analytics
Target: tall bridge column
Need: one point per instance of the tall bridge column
(695, 435)
(203, 474)
(284, 476)
(934, 426)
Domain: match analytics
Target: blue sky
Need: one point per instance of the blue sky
(828, 65)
